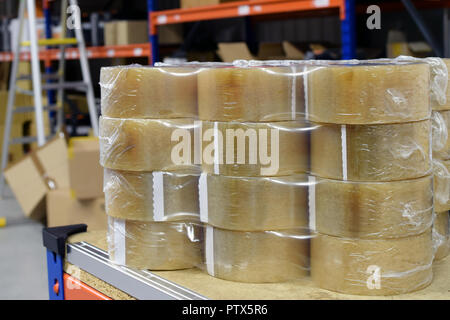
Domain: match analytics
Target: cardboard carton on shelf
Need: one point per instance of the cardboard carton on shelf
(230, 51)
(123, 32)
(201, 3)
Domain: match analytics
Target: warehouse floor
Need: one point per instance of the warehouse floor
(23, 266)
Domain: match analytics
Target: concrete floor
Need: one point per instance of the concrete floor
(23, 266)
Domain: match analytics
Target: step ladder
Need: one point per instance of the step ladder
(59, 85)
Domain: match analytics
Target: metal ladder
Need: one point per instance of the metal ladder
(38, 86)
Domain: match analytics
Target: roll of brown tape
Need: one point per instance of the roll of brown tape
(368, 93)
(373, 152)
(268, 256)
(441, 235)
(372, 267)
(254, 203)
(147, 144)
(441, 171)
(255, 149)
(445, 103)
(154, 245)
(146, 92)
(251, 94)
(151, 196)
(372, 210)
(441, 135)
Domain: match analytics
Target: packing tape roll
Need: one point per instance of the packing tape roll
(154, 245)
(255, 149)
(441, 134)
(372, 152)
(369, 93)
(372, 267)
(441, 171)
(151, 196)
(267, 256)
(256, 94)
(254, 203)
(373, 210)
(147, 144)
(441, 235)
(145, 92)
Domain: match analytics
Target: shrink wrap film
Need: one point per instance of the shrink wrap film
(146, 144)
(251, 94)
(146, 92)
(372, 267)
(254, 203)
(385, 152)
(371, 210)
(151, 196)
(441, 171)
(442, 102)
(368, 93)
(441, 235)
(154, 245)
(441, 134)
(255, 149)
(267, 256)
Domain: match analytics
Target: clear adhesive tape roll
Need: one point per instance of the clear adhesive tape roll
(254, 203)
(255, 149)
(154, 245)
(151, 196)
(267, 256)
(145, 92)
(441, 135)
(386, 152)
(441, 235)
(369, 93)
(372, 267)
(147, 144)
(441, 171)
(373, 210)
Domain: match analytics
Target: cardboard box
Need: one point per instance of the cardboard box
(201, 3)
(86, 174)
(230, 51)
(110, 33)
(41, 170)
(123, 32)
(62, 209)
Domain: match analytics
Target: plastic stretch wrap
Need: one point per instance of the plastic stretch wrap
(441, 171)
(267, 256)
(154, 245)
(441, 135)
(255, 149)
(368, 93)
(271, 93)
(151, 196)
(145, 92)
(442, 102)
(254, 203)
(372, 267)
(371, 210)
(146, 144)
(372, 152)
(441, 235)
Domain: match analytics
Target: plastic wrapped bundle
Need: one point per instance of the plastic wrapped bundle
(441, 235)
(146, 144)
(154, 245)
(145, 92)
(372, 267)
(371, 210)
(254, 203)
(372, 152)
(441, 171)
(151, 196)
(267, 256)
(439, 103)
(368, 93)
(253, 94)
(441, 135)
(255, 149)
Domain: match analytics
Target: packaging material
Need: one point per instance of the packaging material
(151, 196)
(154, 245)
(267, 256)
(146, 144)
(86, 174)
(124, 32)
(110, 33)
(273, 148)
(368, 93)
(63, 209)
(371, 152)
(441, 235)
(371, 210)
(372, 267)
(441, 169)
(232, 51)
(441, 134)
(444, 102)
(146, 92)
(254, 203)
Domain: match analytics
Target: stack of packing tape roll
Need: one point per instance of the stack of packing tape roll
(371, 196)
(253, 188)
(151, 201)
